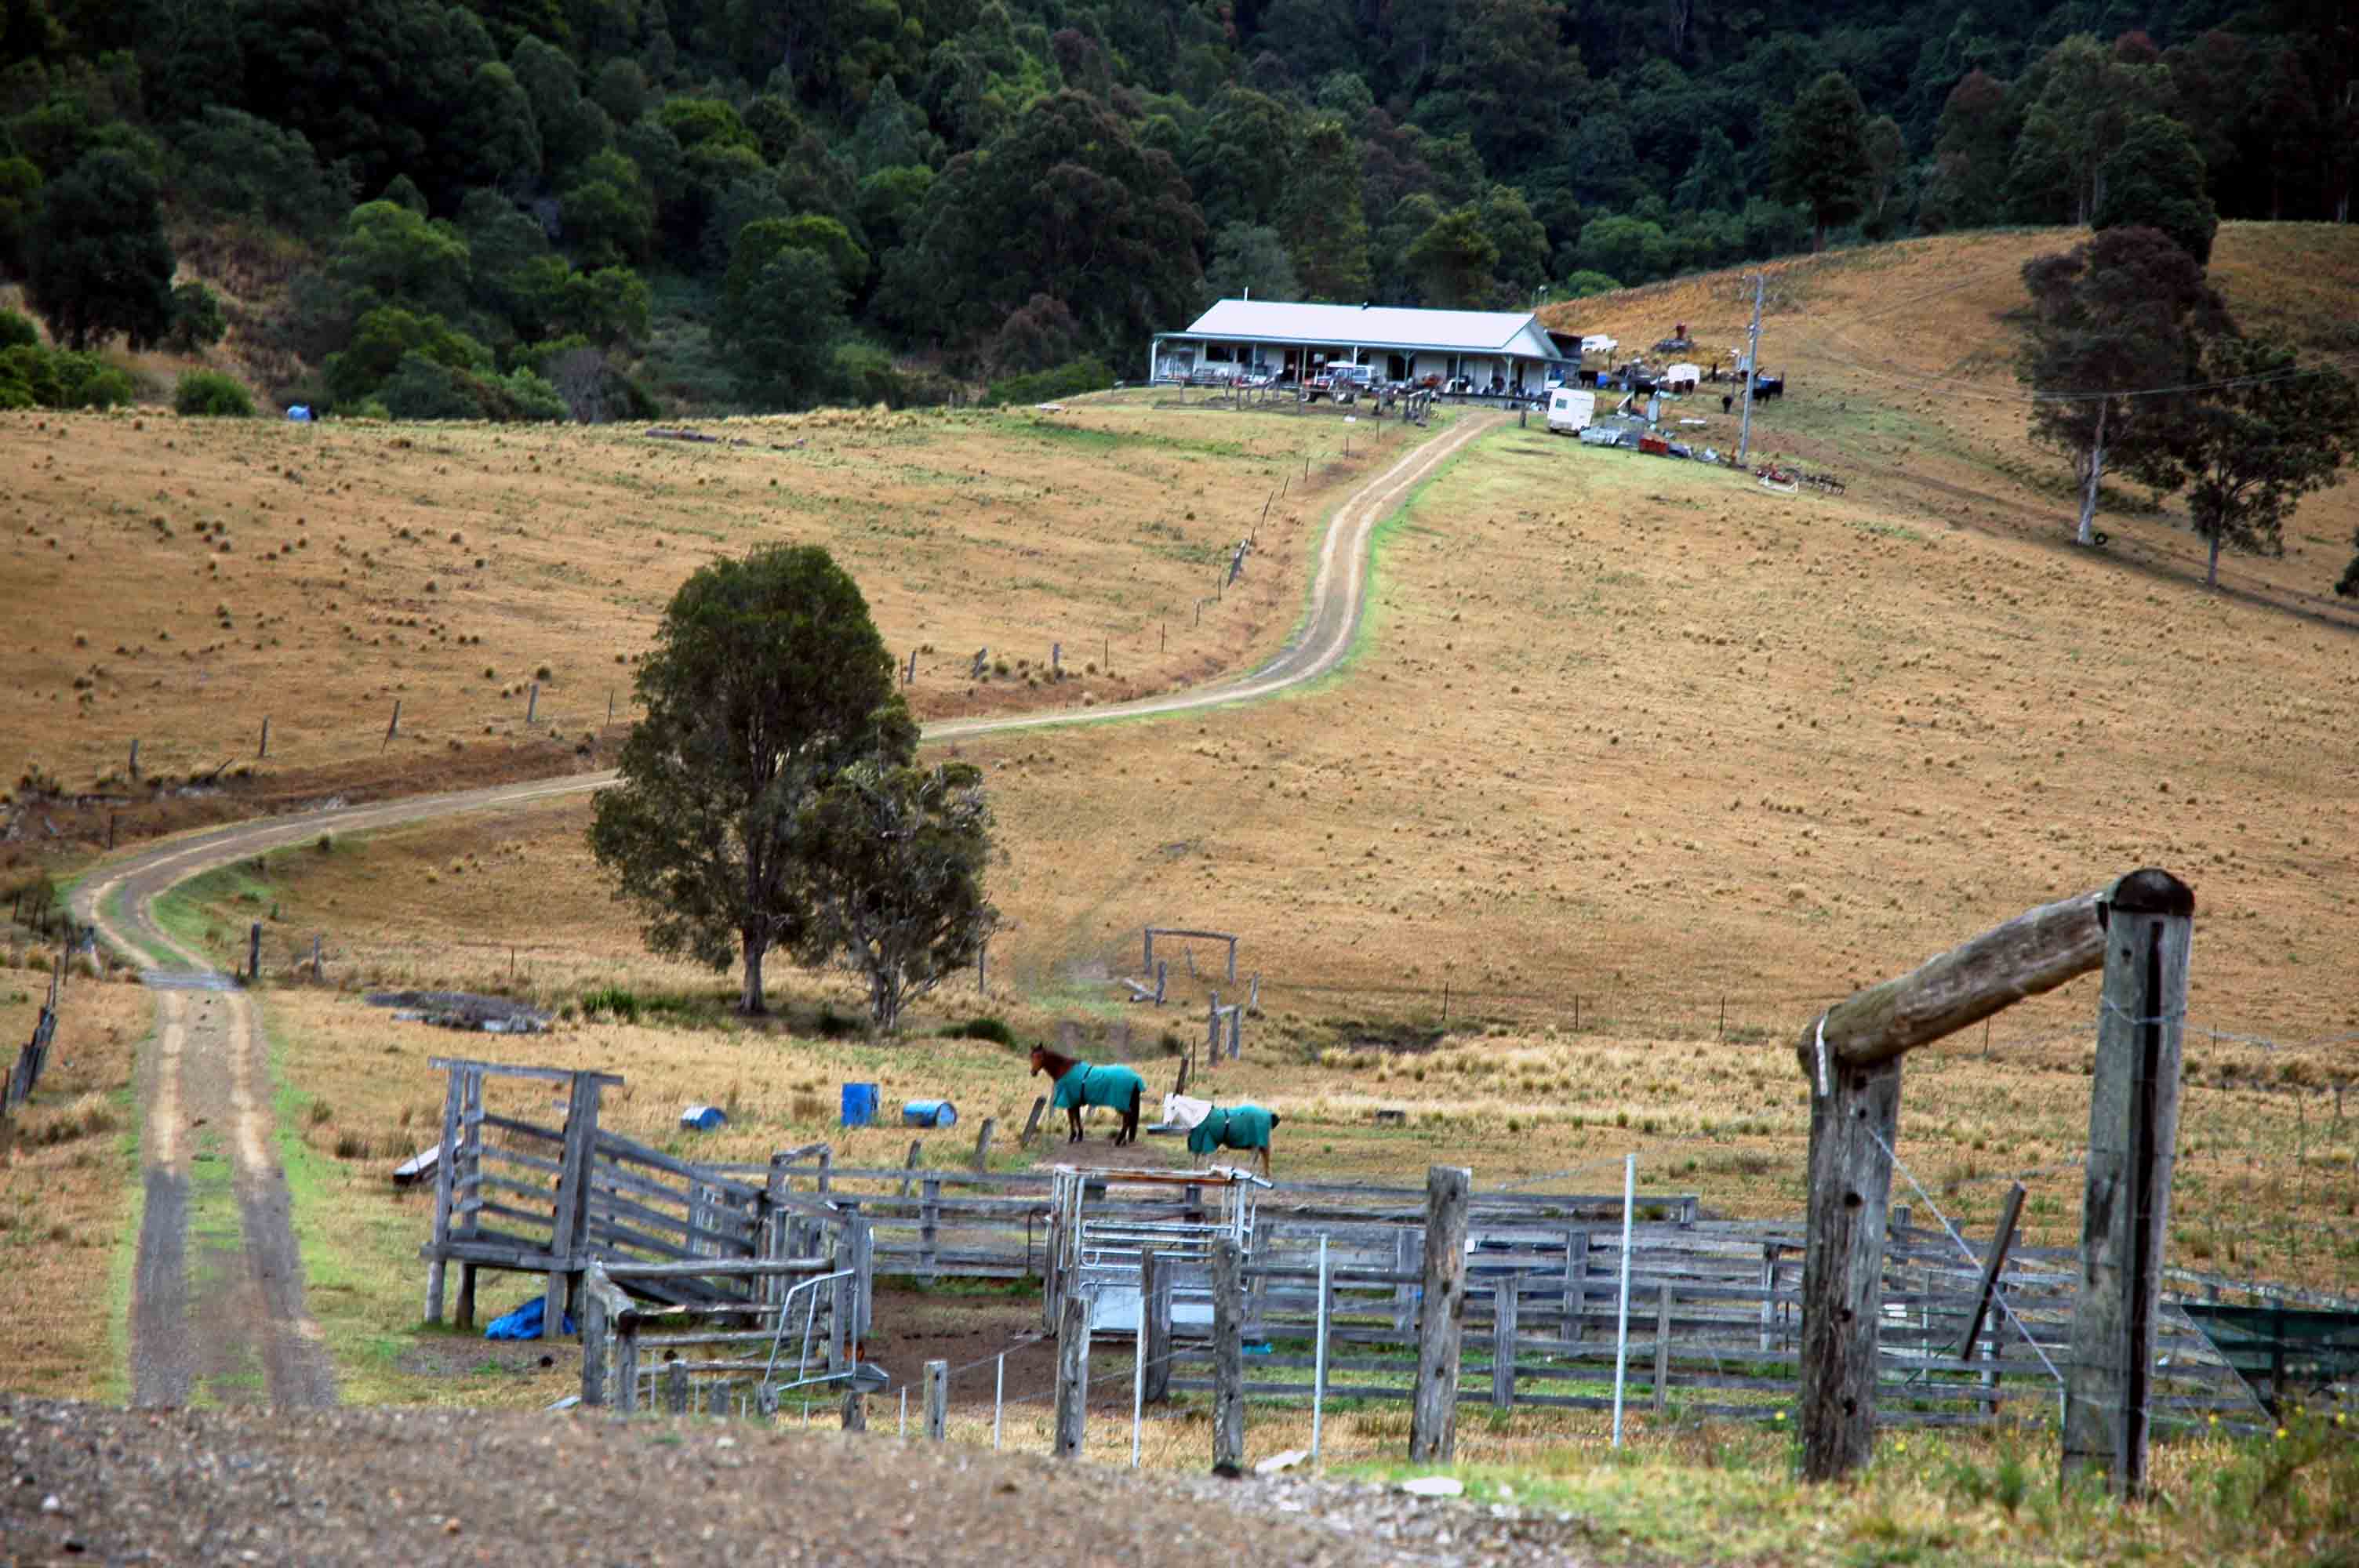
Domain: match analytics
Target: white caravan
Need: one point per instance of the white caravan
(1570, 410)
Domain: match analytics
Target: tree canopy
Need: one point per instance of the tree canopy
(953, 160)
(99, 264)
(767, 682)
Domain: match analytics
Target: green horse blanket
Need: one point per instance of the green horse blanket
(1230, 1127)
(1098, 1085)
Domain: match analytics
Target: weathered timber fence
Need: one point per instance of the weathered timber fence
(34, 1054)
(514, 1193)
(2137, 930)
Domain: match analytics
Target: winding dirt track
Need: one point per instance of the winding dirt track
(219, 1309)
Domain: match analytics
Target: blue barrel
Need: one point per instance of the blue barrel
(860, 1105)
(929, 1113)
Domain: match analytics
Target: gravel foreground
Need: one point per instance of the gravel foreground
(93, 1484)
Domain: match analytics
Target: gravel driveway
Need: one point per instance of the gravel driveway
(84, 1482)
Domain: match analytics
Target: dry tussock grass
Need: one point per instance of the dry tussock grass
(66, 1193)
(179, 580)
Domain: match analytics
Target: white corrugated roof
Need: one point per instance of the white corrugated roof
(1388, 326)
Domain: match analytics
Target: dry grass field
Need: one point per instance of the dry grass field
(176, 580)
(69, 1182)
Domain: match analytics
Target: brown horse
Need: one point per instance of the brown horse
(1079, 1084)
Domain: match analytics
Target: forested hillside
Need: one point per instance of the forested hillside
(525, 208)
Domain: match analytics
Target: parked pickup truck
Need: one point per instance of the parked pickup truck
(1341, 382)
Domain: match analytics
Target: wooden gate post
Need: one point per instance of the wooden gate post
(1441, 1317)
(1852, 1126)
(2126, 1205)
(1073, 1374)
(1228, 1359)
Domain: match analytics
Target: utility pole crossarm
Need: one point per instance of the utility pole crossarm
(2037, 951)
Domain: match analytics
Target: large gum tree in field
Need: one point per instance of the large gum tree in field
(768, 683)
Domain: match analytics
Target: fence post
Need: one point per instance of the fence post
(1318, 1349)
(254, 951)
(1852, 1127)
(1032, 1122)
(1503, 1343)
(596, 1327)
(675, 1394)
(625, 1336)
(983, 1143)
(1662, 1345)
(1768, 1295)
(1236, 1030)
(135, 759)
(855, 1410)
(1228, 1359)
(532, 702)
(392, 727)
(265, 750)
(444, 1164)
(1576, 1285)
(1162, 973)
(1073, 1374)
(319, 966)
(1622, 1310)
(938, 1400)
(1155, 1323)
(930, 1228)
(1433, 1420)
(2126, 1210)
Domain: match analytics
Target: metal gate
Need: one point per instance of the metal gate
(1096, 1239)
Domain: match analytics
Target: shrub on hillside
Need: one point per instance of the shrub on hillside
(208, 394)
(34, 377)
(1065, 381)
(198, 319)
(16, 330)
(989, 1029)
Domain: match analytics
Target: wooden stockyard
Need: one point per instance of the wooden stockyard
(708, 1263)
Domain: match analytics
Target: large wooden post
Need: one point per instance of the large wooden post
(1850, 1057)
(1433, 1417)
(1853, 1123)
(1228, 1359)
(1073, 1374)
(2125, 1206)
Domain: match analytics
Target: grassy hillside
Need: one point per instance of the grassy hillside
(177, 581)
(1638, 766)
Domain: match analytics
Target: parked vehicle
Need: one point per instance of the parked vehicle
(1570, 411)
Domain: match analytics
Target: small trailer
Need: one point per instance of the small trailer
(1570, 410)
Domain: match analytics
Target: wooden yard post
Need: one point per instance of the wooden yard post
(1236, 1030)
(2125, 1206)
(1662, 1345)
(532, 702)
(1032, 1122)
(265, 749)
(929, 1229)
(1228, 1359)
(1073, 1374)
(318, 967)
(675, 1387)
(1851, 1057)
(855, 1410)
(444, 1164)
(983, 1144)
(1852, 1124)
(938, 1400)
(1155, 1275)
(254, 951)
(392, 727)
(1503, 1343)
(598, 1314)
(1576, 1285)
(135, 759)
(1433, 1417)
(909, 1166)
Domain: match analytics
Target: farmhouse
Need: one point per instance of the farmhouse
(1267, 337)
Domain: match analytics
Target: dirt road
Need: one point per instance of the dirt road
(217, 1305)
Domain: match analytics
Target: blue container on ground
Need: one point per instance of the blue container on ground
(860, 1105)
(929, 1113)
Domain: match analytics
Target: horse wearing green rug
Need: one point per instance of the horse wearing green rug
(1246, 1127)
(1083, 1084)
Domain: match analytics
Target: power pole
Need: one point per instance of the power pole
(1752, 374)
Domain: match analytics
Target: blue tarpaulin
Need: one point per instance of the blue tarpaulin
(525, 1321)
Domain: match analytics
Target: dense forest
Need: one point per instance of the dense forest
(526, 208)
